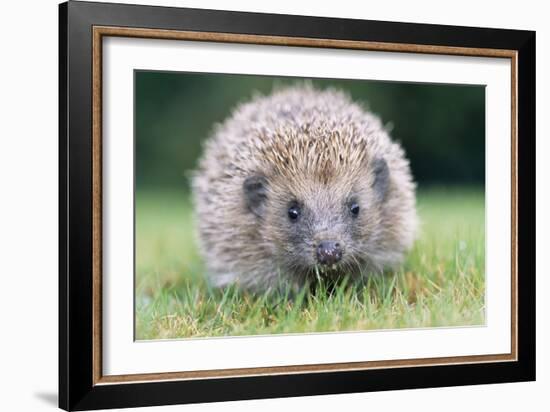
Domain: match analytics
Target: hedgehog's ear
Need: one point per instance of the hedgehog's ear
(255, 193)
(381, 178)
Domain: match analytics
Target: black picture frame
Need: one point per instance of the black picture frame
(77, 390)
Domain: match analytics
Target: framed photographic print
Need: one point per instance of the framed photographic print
(257, 205)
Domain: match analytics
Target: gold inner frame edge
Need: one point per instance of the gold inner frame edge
(101, 31)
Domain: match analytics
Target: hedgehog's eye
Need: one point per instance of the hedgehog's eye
(294, 212)
(354, 209)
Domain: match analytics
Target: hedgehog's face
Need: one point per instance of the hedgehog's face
(314, 226)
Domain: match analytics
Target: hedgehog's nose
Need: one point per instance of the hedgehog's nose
(329, 252)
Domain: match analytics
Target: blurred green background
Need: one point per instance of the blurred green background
(442, 127)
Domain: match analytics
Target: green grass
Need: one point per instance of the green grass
(442, 282)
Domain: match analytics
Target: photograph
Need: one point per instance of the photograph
(257, 205)
(282, 205)
(278, 206)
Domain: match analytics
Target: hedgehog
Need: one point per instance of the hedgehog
(300, 185)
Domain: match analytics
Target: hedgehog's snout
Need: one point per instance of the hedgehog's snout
(329, 252)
